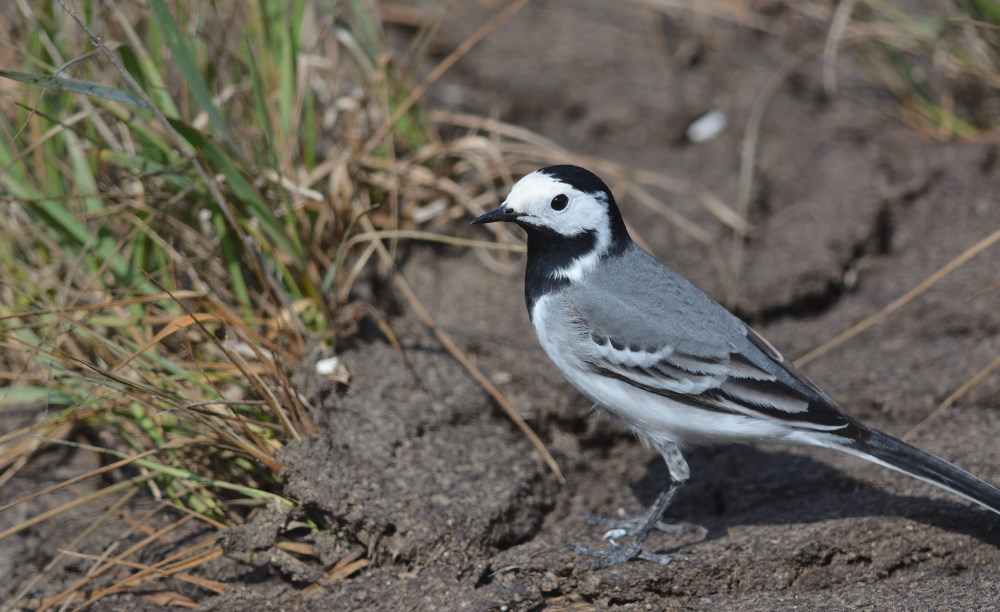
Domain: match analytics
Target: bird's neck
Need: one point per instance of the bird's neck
(550, 256)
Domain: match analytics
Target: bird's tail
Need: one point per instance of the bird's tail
(898, 455)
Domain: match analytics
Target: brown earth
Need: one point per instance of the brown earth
(421, 473)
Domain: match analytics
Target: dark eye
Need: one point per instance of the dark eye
(559, 202)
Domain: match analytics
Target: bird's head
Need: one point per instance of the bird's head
(567, 200)
(569, 214)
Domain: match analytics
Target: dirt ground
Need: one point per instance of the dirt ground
(422, 474)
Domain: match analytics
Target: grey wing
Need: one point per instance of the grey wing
(732, 382)
(675, 341)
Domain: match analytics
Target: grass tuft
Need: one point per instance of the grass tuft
(177, 203)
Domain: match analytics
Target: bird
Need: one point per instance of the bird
(665, 359)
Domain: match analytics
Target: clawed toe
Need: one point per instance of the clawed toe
(619, 554)
(616, 555)
(631, 524)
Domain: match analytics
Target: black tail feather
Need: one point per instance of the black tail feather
(899, 455)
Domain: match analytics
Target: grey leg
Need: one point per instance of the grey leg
(640, 526)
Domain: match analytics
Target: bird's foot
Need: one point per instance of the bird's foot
(638, 527)
(619, 554)
(632, 524)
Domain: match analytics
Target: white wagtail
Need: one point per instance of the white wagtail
(667, 360)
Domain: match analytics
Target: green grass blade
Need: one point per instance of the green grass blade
(260, 105)
(88, 88)
(188, 67)
(244, 191)
(988, 8)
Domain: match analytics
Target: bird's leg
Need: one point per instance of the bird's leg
(640, 528)
(630, 525)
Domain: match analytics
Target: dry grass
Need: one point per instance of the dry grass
(176, 235)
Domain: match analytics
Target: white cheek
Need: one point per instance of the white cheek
(578, 220)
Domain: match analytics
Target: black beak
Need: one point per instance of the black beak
(497, 214)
